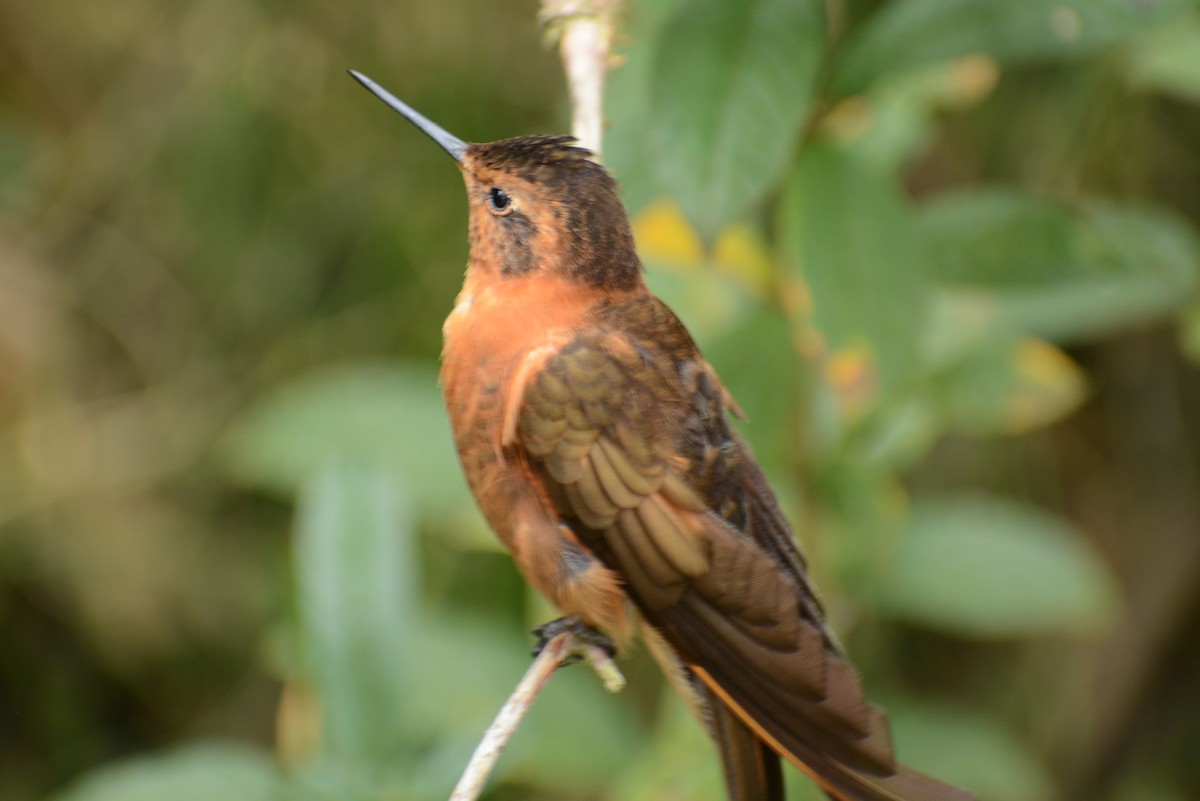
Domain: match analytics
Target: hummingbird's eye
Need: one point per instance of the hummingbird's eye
(499, 199)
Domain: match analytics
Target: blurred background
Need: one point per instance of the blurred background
(943, 252)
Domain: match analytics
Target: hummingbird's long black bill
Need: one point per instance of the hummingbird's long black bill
(449, 142)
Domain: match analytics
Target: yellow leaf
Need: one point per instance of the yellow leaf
(795, 297)
(852, 374)
(663, 234)
(1050, 385)
(740, 252)
(972, 79)
(849, 119)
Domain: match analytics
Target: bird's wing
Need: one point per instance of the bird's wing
(626, 432)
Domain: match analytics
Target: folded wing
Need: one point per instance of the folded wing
(634, 451)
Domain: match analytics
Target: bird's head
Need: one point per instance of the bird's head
(537, 204)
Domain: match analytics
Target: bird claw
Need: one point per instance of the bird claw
(583, 635)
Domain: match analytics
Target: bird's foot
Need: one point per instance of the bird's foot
(583, 635)
(574, 641)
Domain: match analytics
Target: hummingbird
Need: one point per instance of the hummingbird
(597, 443)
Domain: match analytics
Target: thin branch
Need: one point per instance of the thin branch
(584, 31)
(561, 649)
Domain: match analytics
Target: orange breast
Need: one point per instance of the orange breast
(495, 325)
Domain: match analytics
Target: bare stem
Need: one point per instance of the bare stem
(584, 30)
(558, 651)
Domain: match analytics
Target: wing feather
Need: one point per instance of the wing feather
(611, 481)
(637, 456)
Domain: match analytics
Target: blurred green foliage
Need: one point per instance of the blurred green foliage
(944, 253)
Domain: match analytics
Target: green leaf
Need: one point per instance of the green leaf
(356, 586)
(967, 750)
(1190, 332)
(908, 33)
(198, 772)
(761, 370)
(852, 235)
(991, 568)
(862, 518)
(576, 735)
(711, 304)
(732, 83)
(679, 762)
(1168, 60)
(1008, 387)
(898, 436)
(627, 102)
(1027, 265)
(900, 113)
(387, 415)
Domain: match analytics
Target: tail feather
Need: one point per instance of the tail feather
(841, 781)
(752, 770)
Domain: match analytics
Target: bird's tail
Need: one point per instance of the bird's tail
(752, 770)
(841, 781)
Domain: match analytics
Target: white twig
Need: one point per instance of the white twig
(584, 30)
(558, 651)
